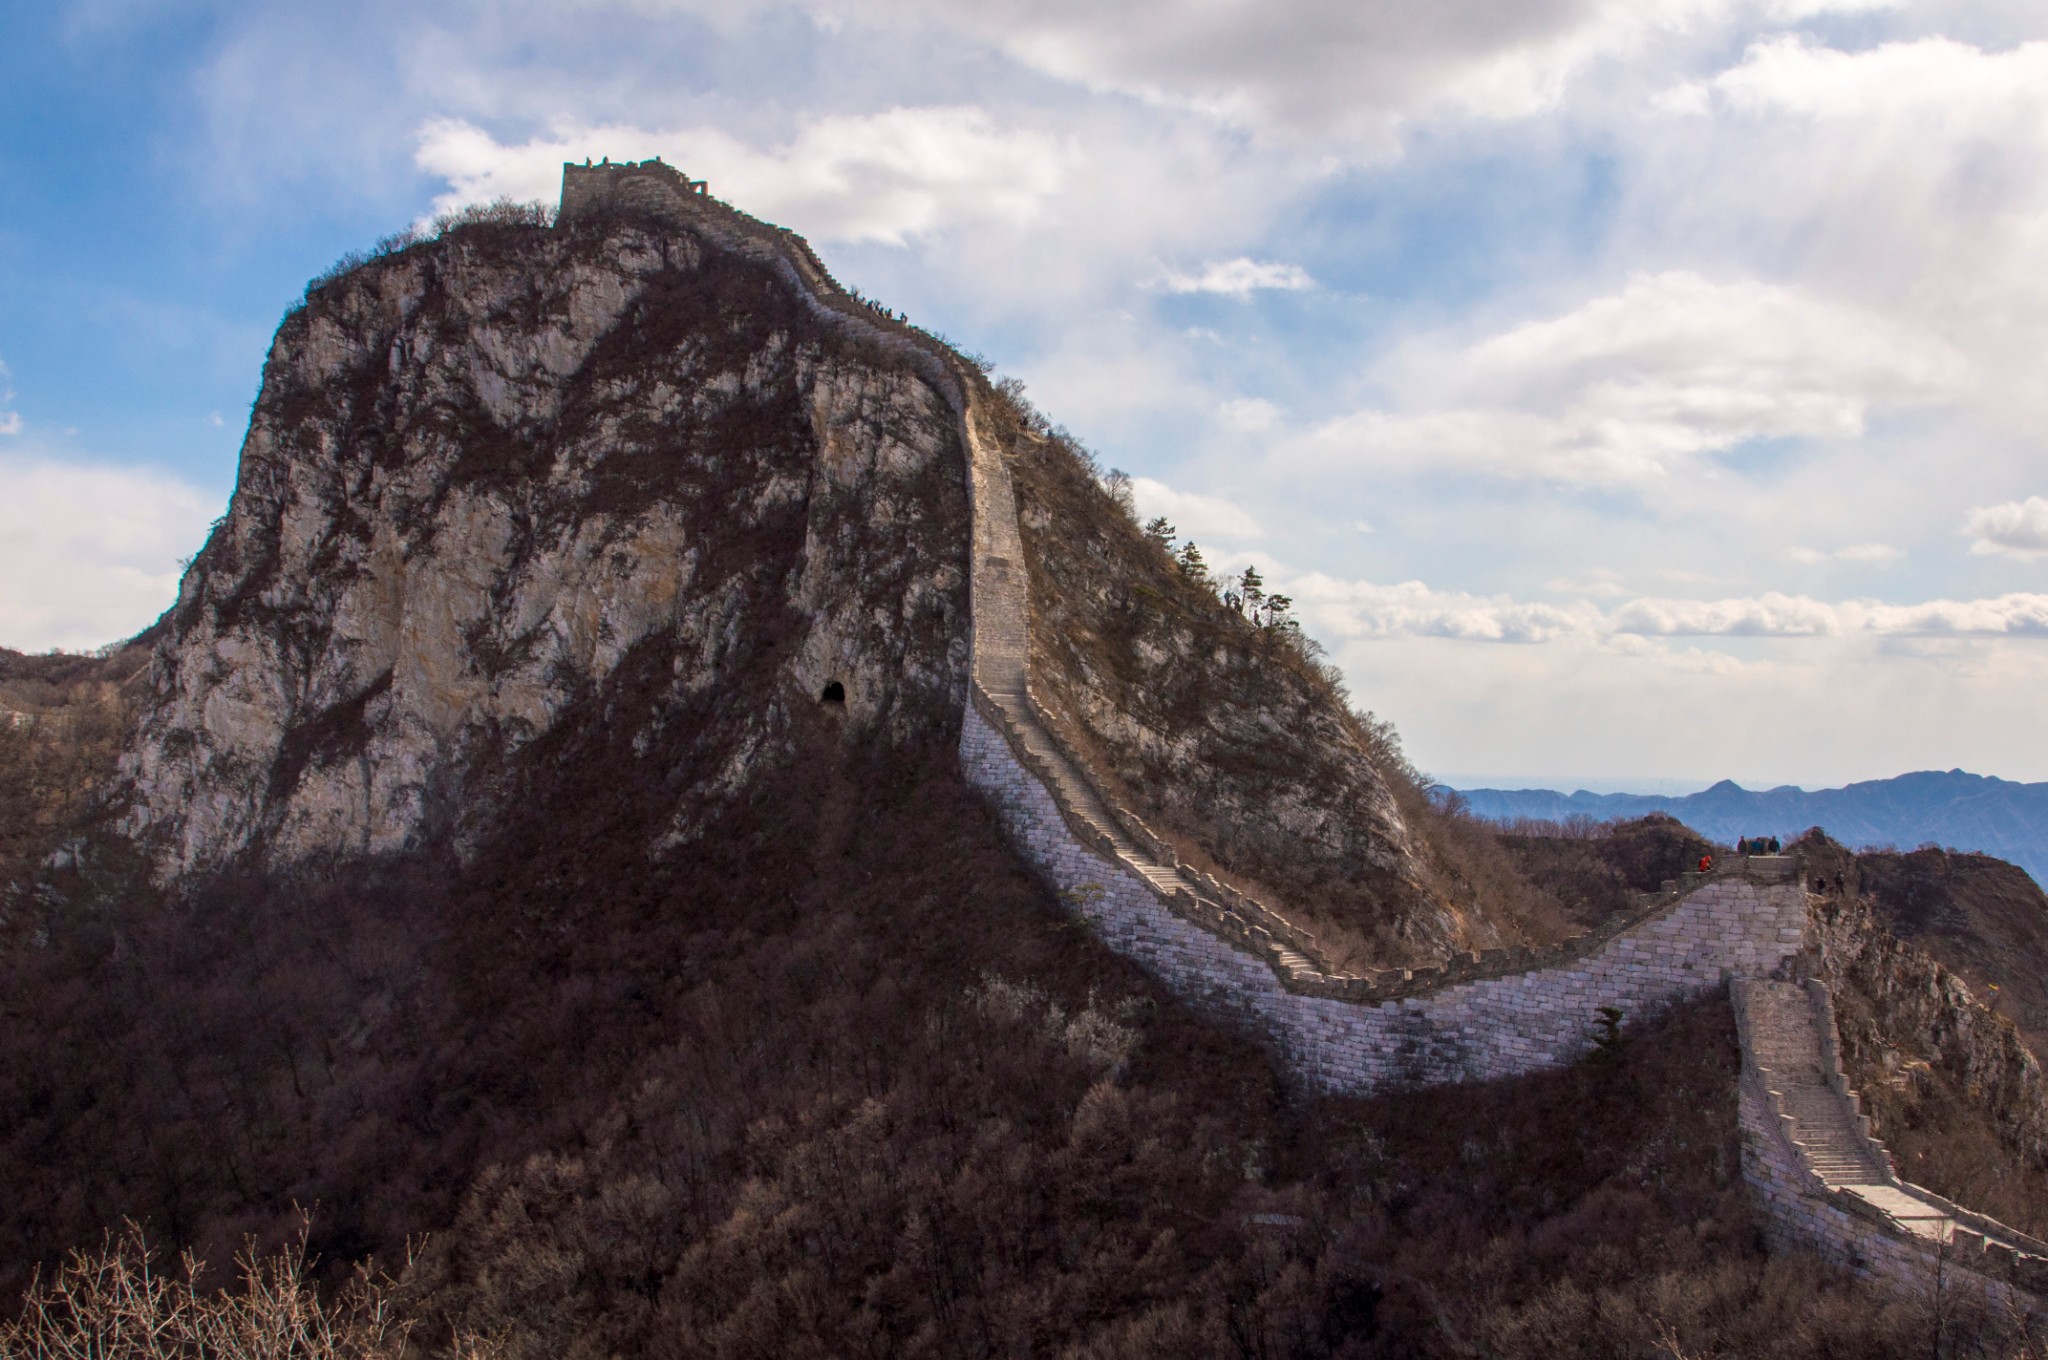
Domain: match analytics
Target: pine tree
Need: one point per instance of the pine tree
(1251, 591)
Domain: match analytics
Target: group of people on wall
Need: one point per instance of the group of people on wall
(1747, 845)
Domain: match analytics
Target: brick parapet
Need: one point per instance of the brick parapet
(1801, 1211)
(1204, 895)
(658, 190)
(1246, 921)
(2025, 1247)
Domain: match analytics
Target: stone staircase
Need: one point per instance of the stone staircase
(1080, 797)
(1788, 1034)
(1785, 1045)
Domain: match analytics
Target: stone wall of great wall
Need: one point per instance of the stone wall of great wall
(1426, 1029)
(1485, 1016)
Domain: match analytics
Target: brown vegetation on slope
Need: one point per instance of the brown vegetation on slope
(1594, 869)
(1982, 917)
(837, 1078)
(1593, 1213)
(62, 720)
(1221, 728)
(122, 1302)
(1950, 1086)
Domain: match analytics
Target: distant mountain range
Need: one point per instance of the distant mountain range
(1957, 810)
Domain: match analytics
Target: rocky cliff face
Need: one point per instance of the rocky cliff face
(1949, 1083)
(520, 470)
(493, 476)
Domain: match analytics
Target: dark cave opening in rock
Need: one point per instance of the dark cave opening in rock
(835, 693)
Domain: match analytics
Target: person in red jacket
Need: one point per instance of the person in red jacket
(1706, 863)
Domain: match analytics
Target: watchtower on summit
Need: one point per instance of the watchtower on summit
(649, 186)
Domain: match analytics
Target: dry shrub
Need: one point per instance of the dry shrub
(118, 1303)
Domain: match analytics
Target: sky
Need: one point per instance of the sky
(1630, 393)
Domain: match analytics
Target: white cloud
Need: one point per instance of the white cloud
(1248, 414)
(886, 176)
(1195, 515)
(1896, 82)
(2018, 615)
(2016, 528)
(1768, 615)
(1817, 711)
(1364, 609)
(1349, 71)
(1359, 610)
(1240, 278)
(1910, 177)
(10, 421)
(1732, 360)
(1628, 387)
(1497, 443)
(1855, 552)
(93, 552)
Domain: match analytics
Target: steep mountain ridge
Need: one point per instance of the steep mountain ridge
(456, 513)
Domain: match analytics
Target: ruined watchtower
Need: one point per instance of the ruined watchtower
(646, 186)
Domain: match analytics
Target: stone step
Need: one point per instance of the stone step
(1785, 1042)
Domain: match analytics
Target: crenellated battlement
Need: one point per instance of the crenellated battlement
(646, 186)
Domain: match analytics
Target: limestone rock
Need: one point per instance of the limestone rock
(486, 471)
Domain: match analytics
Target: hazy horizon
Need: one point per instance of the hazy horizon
(1657, 787)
